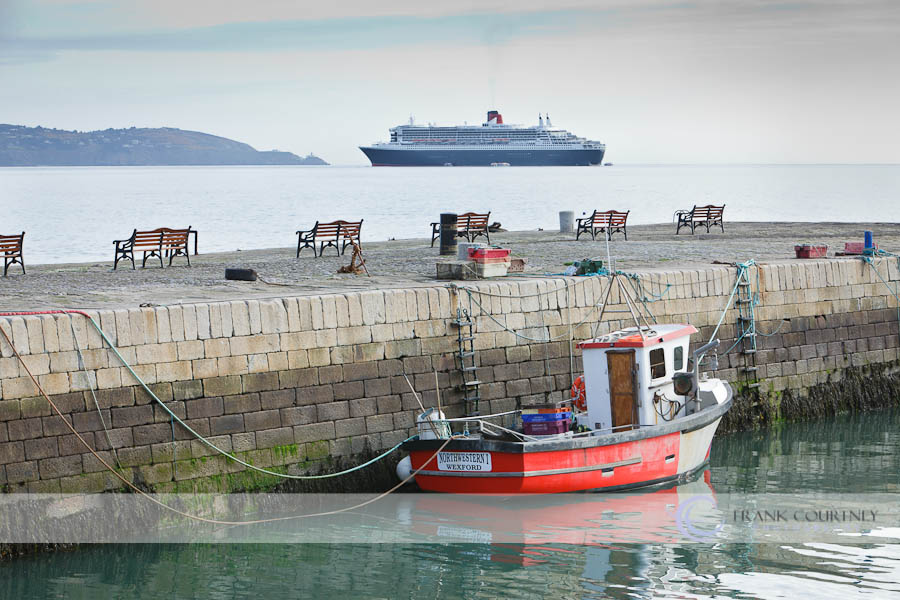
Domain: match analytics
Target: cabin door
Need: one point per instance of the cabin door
(622, 388)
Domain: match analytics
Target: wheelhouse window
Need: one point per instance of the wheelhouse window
(657, 363)
(678, 358)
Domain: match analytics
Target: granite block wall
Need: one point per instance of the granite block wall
(301, 384)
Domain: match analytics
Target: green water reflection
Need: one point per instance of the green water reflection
(853, 454)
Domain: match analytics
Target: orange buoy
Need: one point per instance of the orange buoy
(578, 395)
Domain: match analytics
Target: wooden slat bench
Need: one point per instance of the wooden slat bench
(709, 216)
(156, 242)
(608, 222)
(468, 225)
(11, 249)
(337, 234)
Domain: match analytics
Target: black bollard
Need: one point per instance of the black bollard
(448, 233)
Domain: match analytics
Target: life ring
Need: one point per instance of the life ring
(578, 395)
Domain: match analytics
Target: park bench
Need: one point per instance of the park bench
(468, 225)
(157, 242)
(609, 222)
(709, 216)
(11, 249)
(337, 234)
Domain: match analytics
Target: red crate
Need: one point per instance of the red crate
(809, 251)
(489, 255)
(547, 428)
(855, 247)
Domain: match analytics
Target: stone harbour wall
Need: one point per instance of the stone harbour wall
(305, 384)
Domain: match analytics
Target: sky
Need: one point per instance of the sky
(678, 82)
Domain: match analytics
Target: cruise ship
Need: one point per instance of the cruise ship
(493, 143)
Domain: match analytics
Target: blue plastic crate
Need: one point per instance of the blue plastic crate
(546, 417)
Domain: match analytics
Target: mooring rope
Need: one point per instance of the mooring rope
(199, 518)
(547, 339)
(199, 437)
(869, 260)
(87, 377)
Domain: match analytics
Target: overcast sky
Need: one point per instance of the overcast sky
(705, 81)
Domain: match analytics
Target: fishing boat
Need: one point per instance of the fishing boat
(642, 414)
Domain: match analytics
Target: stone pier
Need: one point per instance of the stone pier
(303, 384)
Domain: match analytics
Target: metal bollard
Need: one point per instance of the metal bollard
(448, 233)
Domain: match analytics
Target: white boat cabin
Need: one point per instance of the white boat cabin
(628, 376)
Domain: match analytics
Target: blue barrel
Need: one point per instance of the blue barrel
(870, 244)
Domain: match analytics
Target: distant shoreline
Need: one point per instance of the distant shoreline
(22, 146)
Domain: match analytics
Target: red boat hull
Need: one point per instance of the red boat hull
(569, 464)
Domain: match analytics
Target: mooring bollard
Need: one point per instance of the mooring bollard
(448, 234)
(566, 221)
(869, 244)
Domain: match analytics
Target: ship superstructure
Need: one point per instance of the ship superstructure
(493, 142)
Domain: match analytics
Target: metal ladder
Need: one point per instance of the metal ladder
(746, 301)
(465, 360)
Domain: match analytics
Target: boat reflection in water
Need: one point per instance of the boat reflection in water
(674, 514)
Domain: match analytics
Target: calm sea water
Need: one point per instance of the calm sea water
(855, 454)
(73, 214)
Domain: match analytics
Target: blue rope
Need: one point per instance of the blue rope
(871, 263)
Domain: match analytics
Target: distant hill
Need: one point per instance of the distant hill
(36, 146)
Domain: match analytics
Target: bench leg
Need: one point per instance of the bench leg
(174, 253)
(123, 256)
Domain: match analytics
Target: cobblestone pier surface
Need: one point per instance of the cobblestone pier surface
(406, 263)
(308, 375)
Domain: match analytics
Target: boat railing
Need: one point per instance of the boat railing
(494, 428)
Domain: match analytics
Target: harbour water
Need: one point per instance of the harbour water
(853, 454)
(72, 214)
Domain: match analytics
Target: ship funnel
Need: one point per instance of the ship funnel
(540, 120)
(549, 124)
(494, 118)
